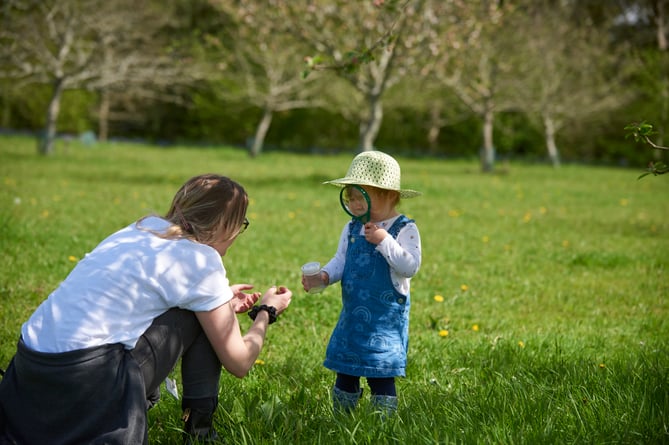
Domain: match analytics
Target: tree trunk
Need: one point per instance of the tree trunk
(369, 129)
(46, 142)
(261, 132)
(434, 129)
(103, 116)
(551, 146)
(488, 152)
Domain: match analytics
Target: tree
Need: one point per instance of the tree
(564, 71)
(84, 44)
(469, 59)
(261, 64)
(371, 45)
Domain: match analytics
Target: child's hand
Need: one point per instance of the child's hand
(323, 279)
(374, 234)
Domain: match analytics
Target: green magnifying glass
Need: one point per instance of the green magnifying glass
(355, 201)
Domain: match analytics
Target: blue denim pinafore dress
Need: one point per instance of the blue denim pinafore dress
(372, 334)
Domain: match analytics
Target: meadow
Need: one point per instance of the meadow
(539, 315)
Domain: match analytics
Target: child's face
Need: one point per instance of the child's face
(383, 202)
(355, 201)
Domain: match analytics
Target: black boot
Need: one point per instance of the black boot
(199, 415)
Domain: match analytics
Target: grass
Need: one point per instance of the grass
(539, 314)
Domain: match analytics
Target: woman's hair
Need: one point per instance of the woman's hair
(206, 208)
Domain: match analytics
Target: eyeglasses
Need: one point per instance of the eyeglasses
(245, 225)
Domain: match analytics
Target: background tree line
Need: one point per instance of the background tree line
(534, 79)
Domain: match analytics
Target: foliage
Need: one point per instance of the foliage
(539, 314)
(642, 132)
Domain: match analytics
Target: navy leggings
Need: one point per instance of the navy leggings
(177, 334)
(380, 386)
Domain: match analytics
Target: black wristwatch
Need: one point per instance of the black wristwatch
(271, 310)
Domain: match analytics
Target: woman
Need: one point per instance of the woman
(91, 358)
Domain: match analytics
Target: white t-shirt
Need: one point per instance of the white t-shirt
(116, 291)
(402, 254)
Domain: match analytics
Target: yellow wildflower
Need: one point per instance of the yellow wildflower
(260, 362)
(73, 258)
(439, 298)
(443, 333)
(464, 287)
(475, 328)
(521, 344)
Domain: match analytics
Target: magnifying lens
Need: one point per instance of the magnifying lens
(355, 201)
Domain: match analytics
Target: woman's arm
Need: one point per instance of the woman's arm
(238, 352)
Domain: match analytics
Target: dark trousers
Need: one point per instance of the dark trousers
(178, 334)
(382, 386)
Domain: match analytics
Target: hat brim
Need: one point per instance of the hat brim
(342, 182)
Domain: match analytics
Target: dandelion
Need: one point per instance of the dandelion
(527, 217)
(602, 366)
(485, 238)
(443, 333)
(439, 298)
(291, 215)
(44, 214)
(260, 361)
(464, 287)
(475, 328)
(543, 210)
(73, 258)
(521, 344)
(17, 201)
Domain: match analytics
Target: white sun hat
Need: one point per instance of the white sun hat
(376, 169)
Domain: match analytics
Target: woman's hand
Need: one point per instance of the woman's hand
(242, 302)
(277, 296)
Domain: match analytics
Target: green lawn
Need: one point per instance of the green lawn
(539, 315)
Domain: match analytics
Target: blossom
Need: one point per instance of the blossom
(602, 366)
(260, 362)
(73, 258)
(475, 328)
(443, 333)
(521, 344)
(464, 287)
(438, 298)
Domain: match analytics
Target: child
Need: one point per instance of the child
(375, 260)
